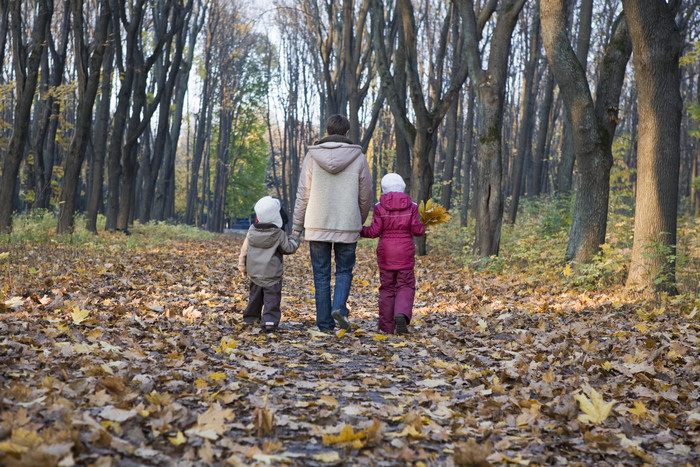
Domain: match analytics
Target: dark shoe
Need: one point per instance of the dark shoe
(340, 320)
(270, 327)
(401, 324)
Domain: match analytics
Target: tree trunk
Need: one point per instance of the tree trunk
(468, 158)
(45, 149)
(540, 154)
(490, 85)
(216, 223)
(27, 60)
(592, 127)
(657, 43)
(451, 127)
(568, 153)
(526, 118)
(166, 186)
(143, 109)
(88, 83)
(100, 136)
(203, 124)
(127, 71)
(422, 135)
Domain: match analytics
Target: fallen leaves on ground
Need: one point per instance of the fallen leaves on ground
(114, 356)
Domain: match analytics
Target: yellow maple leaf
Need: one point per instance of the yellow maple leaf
(379, 337)
(327, 457)
(178, 440)
(328, 400)
(567, 270)
(396, 345)
(341, 333)
(606, 365)
(432, 213)
(596, 410)
(79, 315)
(200, 383)
(639, 409)
(226, 346)
(346, 435)
(218, 376)
(13, 448)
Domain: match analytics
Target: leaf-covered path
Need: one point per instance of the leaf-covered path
(115, 356)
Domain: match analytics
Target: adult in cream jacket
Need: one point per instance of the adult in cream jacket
(334, 197)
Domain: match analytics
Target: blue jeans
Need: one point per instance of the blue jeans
(321, 264)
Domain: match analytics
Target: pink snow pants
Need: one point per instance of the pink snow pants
(396, 292)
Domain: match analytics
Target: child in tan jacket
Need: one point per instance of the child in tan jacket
(261, 260)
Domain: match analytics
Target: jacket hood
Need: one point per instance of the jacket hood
(263, 235)
(334, 153)
(395, 201)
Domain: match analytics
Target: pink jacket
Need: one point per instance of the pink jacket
(395, 221)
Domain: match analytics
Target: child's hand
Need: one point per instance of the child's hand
(295, 237)
(242, 269)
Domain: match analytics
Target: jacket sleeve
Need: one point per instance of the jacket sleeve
(366, 191)
(302, 199)
(374, 230)
(243, 255)
(417, 227)
(287, 245)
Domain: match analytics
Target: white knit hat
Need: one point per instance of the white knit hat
(393, 182)
(267, 210)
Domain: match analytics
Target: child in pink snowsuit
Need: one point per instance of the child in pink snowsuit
(395, 221)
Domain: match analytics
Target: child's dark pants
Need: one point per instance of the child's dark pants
(265, 299)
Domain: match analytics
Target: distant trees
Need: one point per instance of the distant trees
(26, 58)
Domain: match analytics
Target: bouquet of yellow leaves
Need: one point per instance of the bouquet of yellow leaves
(432, 213)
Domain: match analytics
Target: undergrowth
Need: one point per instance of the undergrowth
(534, 248)
(39, 228)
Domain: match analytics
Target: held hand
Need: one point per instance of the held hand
(242, 269)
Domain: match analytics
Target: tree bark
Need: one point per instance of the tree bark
(451, 127)
(172, 69)
(127, 69)
(526, 118)
(592, 127)
(27, 59)
(203, 121)
(490, 90)
(540, 153)
(101, 136)
(143, 110)
(657, 43)
(468, 158)
(568, 153)
(45, 147)
(88, 83)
